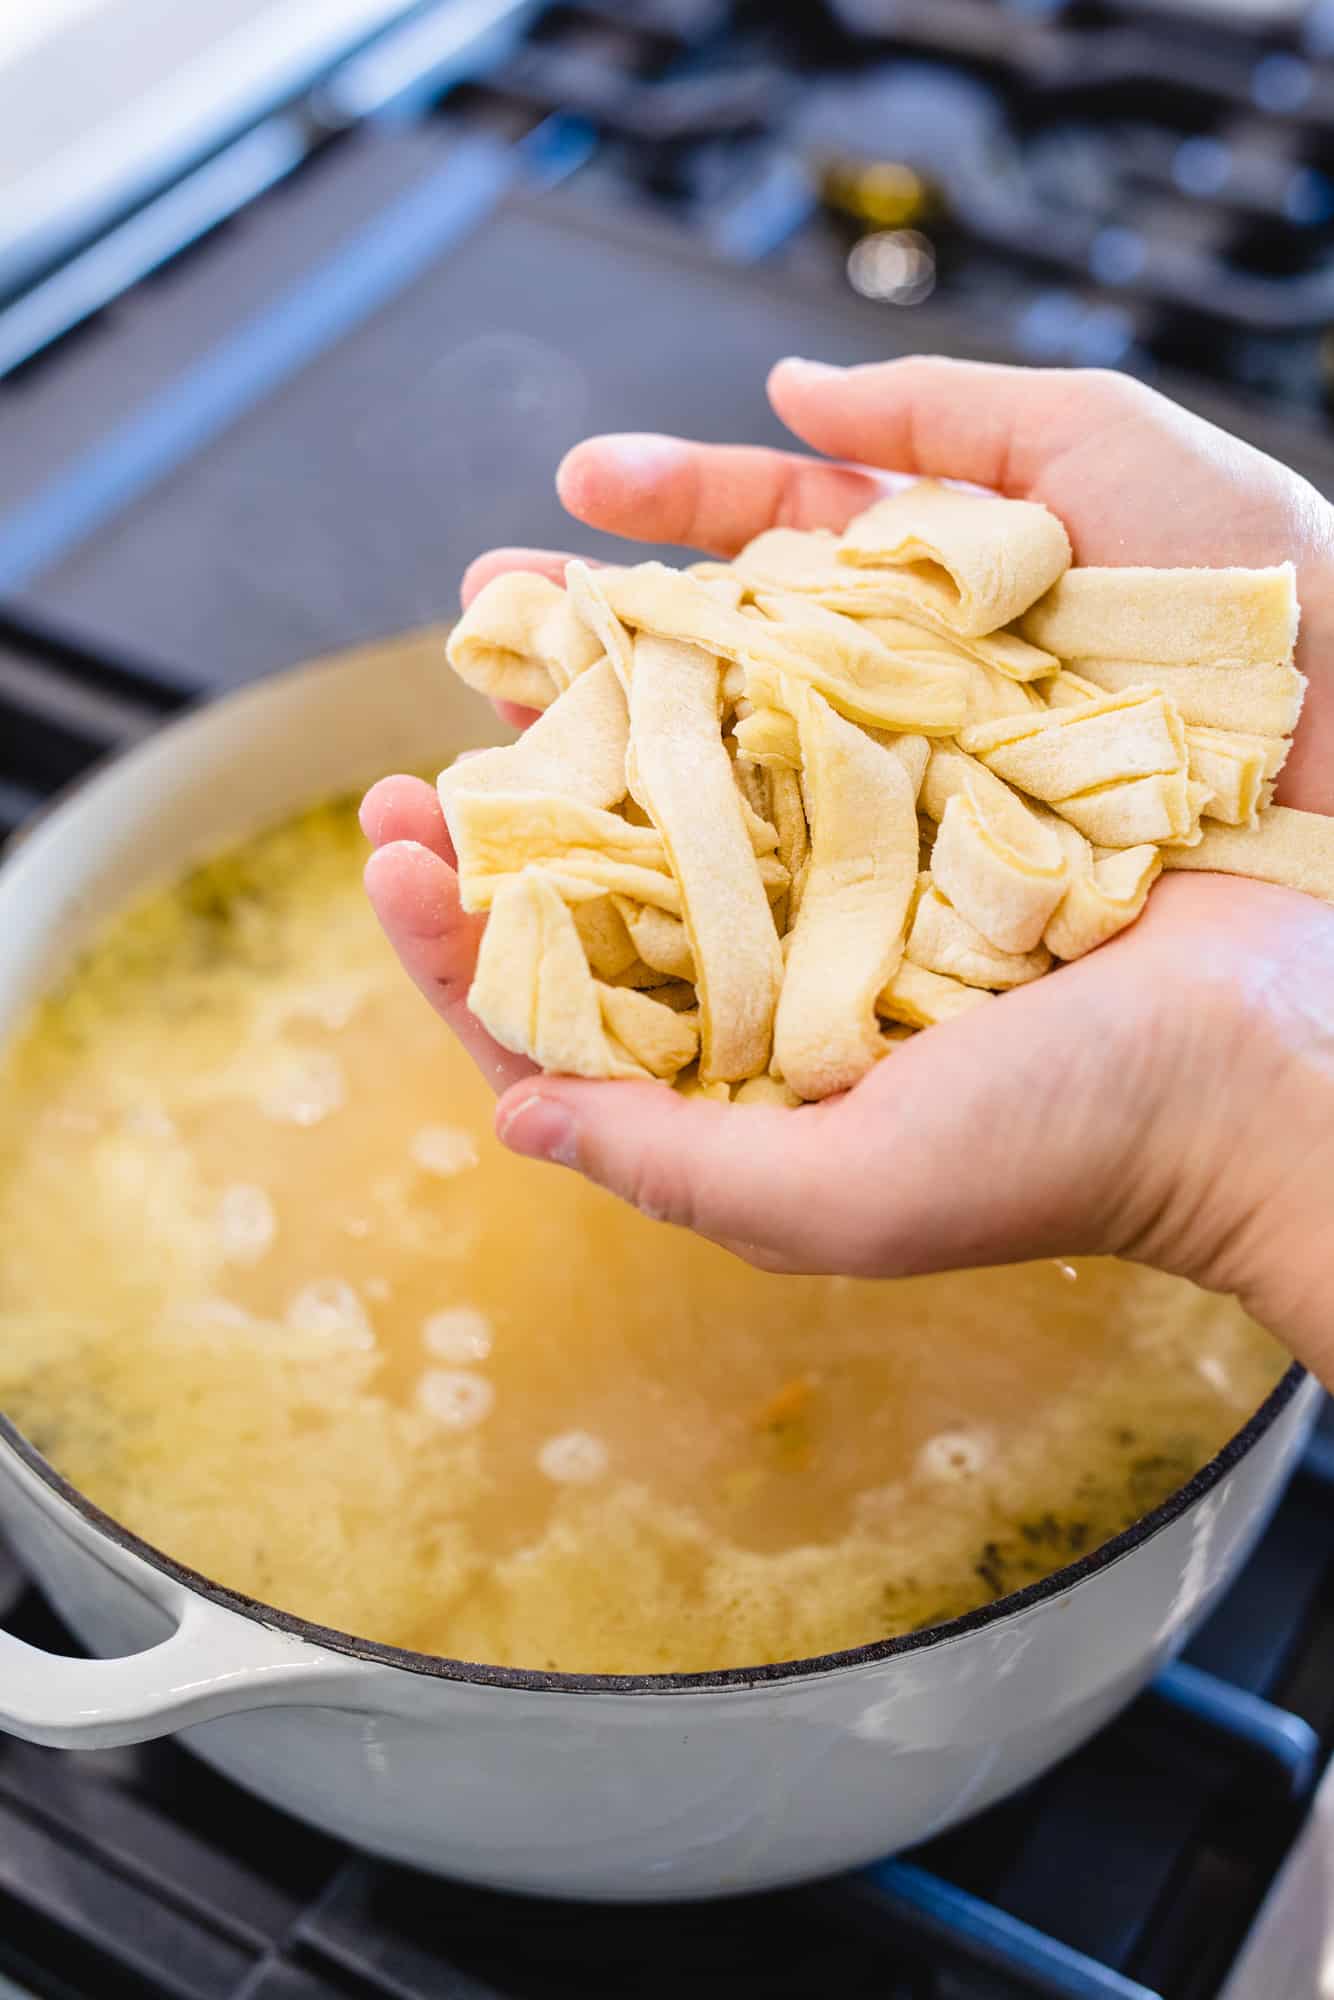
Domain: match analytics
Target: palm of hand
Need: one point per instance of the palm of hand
(1105, 1109)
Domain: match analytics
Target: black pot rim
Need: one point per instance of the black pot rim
(530, 1680)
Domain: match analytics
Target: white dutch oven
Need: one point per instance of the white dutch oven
(658, 1787)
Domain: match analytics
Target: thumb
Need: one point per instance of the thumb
(739, 1174)
(966, 1145)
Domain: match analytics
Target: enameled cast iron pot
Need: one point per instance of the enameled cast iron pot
(661, 1786)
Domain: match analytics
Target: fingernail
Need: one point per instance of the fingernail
(539, 1129)
(811, 368)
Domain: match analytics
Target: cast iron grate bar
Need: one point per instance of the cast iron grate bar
(1318, 1464)
(50, 1889)
(276, 1979)
(969, 1931)
(17, 803)
(126, 1830)
(1252, 1638)
(154, 688)
(1279, 1752)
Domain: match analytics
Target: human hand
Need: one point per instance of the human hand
(1170, 1097)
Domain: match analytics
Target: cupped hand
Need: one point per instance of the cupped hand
(1169, 1098)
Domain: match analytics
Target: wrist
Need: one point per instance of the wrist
(1238, 1188)
(1281, 1262)
(1276, 1249)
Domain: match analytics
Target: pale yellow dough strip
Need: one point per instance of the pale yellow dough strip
(1293, 850)
(660, 940)
(577, 749)
(1261, 700)
(497, 834)
(693, 1085)
(975, 562)
(789, 820)
(849, 665)
(942, 941)
(659, 1038)
(521, 640)
(946, 773)
(1163, 809)
(992, 696)
(1227, 617)
(1234, 768)
(585, 852)
(588, 600)
(1053, 754)
(1068, 689)
(1107, 892)
(806, 562)
(765, 1090)
(915, 684)
(768, 737)
(608, 945)
(682, 776)
(848, 938)
(532, 989)
(993, 857)
(1238, 770)
(922, 999)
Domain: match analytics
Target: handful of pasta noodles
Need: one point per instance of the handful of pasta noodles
(779, 814)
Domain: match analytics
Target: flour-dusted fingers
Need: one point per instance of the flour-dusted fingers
(415, 894)
(403, 808)
(714, 497)
(499, 562)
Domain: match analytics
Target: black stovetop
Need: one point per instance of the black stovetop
(372, 326)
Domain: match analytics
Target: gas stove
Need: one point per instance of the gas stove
(271, 407)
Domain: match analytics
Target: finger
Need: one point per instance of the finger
(415, 894)
(706, 496)
(497, 562)
(968, 420)
(966, 1145)
(406, 809)
(517, 716)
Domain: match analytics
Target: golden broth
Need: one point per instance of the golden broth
(272, 1295)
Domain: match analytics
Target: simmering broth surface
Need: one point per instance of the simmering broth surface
(271, 1294)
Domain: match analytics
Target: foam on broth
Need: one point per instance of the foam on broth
(271, 1294)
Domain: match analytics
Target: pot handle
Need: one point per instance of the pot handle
(215, 1663)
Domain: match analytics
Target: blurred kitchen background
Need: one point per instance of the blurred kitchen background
(300, 303)
(301, 300)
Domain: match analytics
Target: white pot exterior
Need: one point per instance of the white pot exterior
(654, 1789)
